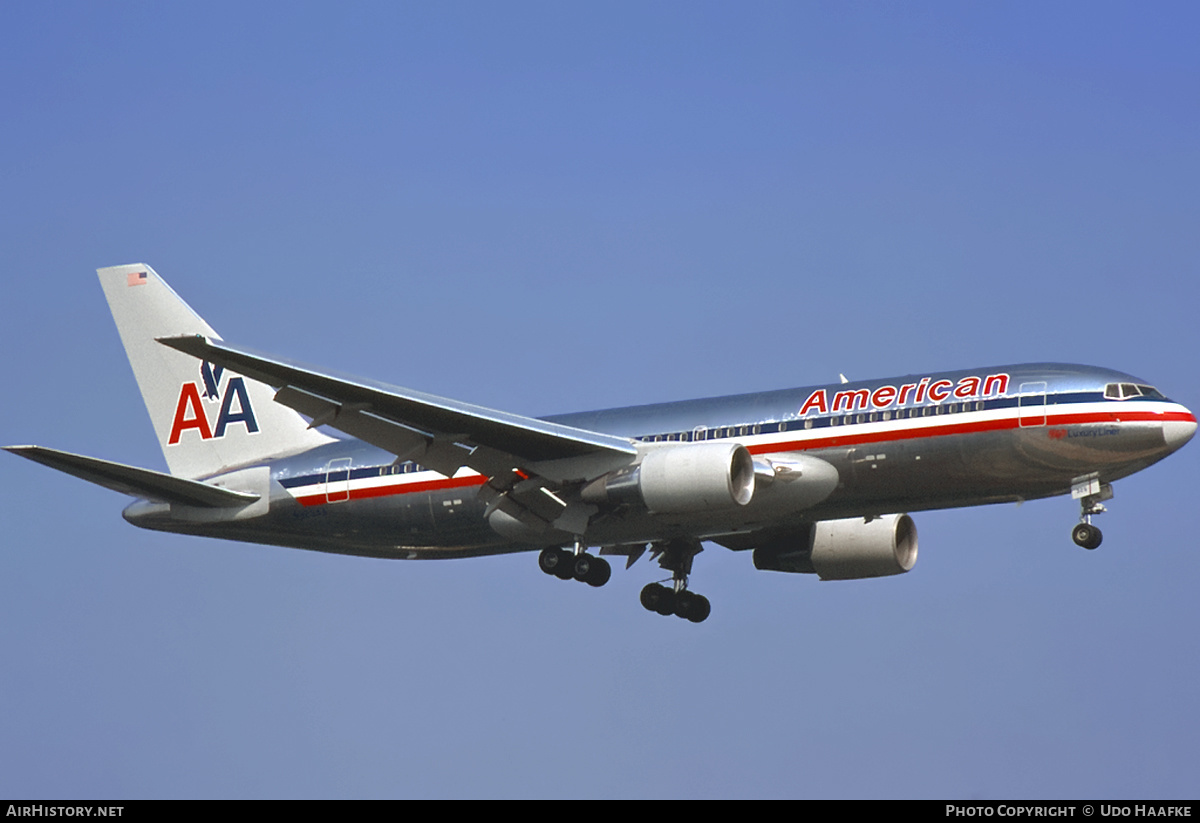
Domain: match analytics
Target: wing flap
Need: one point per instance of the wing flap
(355, 420)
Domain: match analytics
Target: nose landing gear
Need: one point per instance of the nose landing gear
(1089, 491)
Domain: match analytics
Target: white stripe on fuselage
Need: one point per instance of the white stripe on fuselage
(798, 439)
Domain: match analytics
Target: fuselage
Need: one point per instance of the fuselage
(919, 442)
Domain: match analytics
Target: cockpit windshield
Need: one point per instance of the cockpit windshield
(1129, 391)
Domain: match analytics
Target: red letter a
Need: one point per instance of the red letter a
(189, 397)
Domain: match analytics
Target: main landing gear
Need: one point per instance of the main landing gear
(676, 557)
(1089, 491)
(578, 564)
(681, 603)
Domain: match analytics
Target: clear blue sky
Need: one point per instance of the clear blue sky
(552, 207)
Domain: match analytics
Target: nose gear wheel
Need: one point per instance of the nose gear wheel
(1086, 535)
(1090, 492)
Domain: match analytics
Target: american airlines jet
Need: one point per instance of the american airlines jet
(813, 480)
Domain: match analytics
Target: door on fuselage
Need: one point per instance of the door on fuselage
(337, 480)
(1031, 404)
(1039, 444)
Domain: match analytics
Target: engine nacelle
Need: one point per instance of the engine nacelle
(678, 479)
(845, 549)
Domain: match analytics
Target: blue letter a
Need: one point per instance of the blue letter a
(245, 414)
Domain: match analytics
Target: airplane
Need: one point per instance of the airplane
(816, 480)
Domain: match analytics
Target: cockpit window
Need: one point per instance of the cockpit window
(1126, 391)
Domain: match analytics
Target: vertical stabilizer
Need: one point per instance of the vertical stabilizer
(207, 419)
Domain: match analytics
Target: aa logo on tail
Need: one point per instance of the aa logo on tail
(190, 412)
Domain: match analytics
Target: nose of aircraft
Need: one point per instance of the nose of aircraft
(1180, 429)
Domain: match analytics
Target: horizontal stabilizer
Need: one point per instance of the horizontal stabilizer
(134, 481)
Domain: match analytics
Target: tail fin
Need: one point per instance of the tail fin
(207, 419)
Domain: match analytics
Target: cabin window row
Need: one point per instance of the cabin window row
(407, 467)
(702, 434)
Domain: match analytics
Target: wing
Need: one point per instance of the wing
(525, 459)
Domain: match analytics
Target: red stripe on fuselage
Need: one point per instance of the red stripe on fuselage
(320, 498)
(827, 442)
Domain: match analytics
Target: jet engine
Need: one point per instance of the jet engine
(678, 479)
(844, 549)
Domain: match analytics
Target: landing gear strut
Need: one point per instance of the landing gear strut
(676, 557)
(578, 564)
(1089, 491)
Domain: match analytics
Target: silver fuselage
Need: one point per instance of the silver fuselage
(921, 442)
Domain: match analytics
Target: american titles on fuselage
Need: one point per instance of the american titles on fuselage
(889, 396)
(923, 396)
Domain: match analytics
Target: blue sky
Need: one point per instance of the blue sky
(553, 207)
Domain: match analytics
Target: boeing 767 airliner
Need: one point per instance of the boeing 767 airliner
(815, 480)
